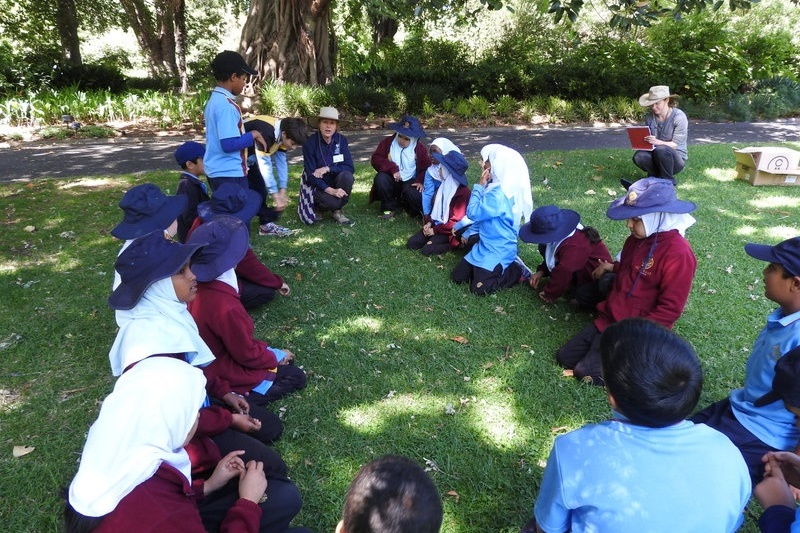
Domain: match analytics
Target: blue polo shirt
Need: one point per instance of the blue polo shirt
(224, 121)
(772, 424)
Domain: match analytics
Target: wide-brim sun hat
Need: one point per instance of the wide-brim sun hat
(226, 241)
(549, 224)
(145, 261)
(655, 94)
(408, 126)
(328, 113)
(147, 209)
(231, 199)
(649, 195)
(786, 254)
(455, 163)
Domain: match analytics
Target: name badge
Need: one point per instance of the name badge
(338, 158)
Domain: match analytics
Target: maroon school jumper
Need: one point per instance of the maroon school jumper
(576, 258)
(458, 210)
(381, 162)
(662, 289)
(167, 503)
(242, 361)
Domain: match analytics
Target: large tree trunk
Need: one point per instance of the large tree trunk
(67, 22)
(289, 40)
(155, 33)
(180, 43)
(383, 29)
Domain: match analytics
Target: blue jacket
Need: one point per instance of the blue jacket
(491, 212)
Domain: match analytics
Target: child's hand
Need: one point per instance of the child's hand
(787, 462)
(773, 489)
(253, 482)
(227, 468)
(486, 175)
(281, 200)
(245, 423)
(545, 298)
(420, 187)
(535, 278)
(236, 402)
(603, 268)
(260, 142)
(289, 357)
(284, 290)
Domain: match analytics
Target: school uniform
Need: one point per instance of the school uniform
(443, 239)
(243, 362)
(618, 477)
(576, 258)
(392, 193)
(196, 192)
(223, 119)
(489, 265)
(264, 166)
(336, 156)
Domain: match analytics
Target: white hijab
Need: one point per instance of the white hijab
(445, 146)
(551, 248)
(510, 172)
(659, 222)
(440, 212)
(404, 158)
(144, 422)
(158, 323)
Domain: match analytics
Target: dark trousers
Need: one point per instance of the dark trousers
(254, 295)
(215, 183)
(482, 281)
(661, 162)
(288, 379)
(325, 202)
(231, 440)
(281, 506)
(582, 355)
(256, 182)
(719, 415)
(436, 244)
(590, 294)
(395, 194)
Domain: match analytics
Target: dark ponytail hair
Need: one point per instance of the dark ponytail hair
(592, 234)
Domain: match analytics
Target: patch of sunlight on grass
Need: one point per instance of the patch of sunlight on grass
(780, 233)
(9, 400)
(371, 419)
(302, 240)
(54, 261)
(399, 242)
(746, 231)
(495, 417)
(775, 201)
(365, 323)
(90, 183)
(720, 174)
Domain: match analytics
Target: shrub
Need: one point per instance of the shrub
(505, 106)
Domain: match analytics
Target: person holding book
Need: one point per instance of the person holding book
(668, 135)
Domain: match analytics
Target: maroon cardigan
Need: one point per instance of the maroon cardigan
(576, 259)
(167, 503)
(381, 162)
(661, 291)
(458, 210)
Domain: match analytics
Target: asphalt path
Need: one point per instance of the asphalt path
(123, 155)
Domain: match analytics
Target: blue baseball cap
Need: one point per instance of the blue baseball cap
(786, 254)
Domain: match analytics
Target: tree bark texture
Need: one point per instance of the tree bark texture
(67, 22)
(155, 33)
(290, 40)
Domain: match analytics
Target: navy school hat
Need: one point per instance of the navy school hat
(786, 254)
(548, 224)
(786, 382)
(147, 209)
(649, 195)
(145, 261)
(189, 151)
(231, 199)
(227, 63)
(408, 126)
(455, 163)
(226, 241)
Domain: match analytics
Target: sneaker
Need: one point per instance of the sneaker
(270, 228)
(526, 272)
(387, 215)
(339, 217)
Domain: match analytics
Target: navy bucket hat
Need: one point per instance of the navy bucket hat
(786, 382)
(408, 126)
(549, 224)
(455, 163)
(786, 254)
(649, 195)
(231, 199)
(147, 209)
(226, 242)
(144, 262)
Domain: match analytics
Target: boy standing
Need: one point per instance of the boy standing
(758, 430)
(280, 136)
(226, 140)
(646, 469)
(189, 156)
(391, 494)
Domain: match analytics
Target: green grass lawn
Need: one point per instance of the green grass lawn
(380, 331)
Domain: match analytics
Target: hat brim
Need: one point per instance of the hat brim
(172, 208)
(461, 178)
(245, 214)
(571, 220)
(207, 267)
(408, 132)
(618, 210)
(127, 295)
(762, 252)
(644, 101)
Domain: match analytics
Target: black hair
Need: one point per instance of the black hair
(592, 234)
(295, 129)
(392, 494)
(75, 522)
(652, 373)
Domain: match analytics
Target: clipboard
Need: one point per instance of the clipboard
(636, 135)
